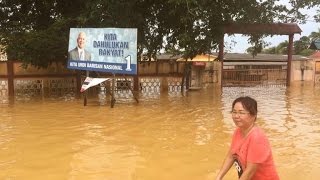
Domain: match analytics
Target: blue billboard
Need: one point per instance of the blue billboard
(111, 50)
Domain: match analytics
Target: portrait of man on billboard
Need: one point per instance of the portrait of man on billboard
(79, 53)
(112, 50)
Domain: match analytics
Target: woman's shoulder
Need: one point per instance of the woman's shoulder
(258, 133)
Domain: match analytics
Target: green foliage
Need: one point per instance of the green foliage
(258, 44)
(36, 32)
(306, 52)
(39, 48)
(314, 35)
(301, 46)
(282, 48)
(271, 50)
(299, 4)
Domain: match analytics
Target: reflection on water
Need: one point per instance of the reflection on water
(175, 136)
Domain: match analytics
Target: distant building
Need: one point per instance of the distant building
(316, 58)
(270, 67)
(245, 69)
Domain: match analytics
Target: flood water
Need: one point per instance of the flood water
(164, 137)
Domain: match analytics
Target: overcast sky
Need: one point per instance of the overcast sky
(238, 43)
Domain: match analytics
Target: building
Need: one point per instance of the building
(316, 60)
(204, 69)
(265, 68)
(241, 69)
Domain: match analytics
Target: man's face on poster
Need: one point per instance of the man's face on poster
(81, 40)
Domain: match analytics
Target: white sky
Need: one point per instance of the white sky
(238, 43)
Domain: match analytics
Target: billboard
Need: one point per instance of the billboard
(111, 50)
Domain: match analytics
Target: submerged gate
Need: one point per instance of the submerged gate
(253, 77)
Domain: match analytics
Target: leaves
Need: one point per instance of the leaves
(36, 32)
(301, 46)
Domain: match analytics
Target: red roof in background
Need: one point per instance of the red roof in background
(315, 55)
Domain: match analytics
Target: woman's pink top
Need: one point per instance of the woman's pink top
(254, 148)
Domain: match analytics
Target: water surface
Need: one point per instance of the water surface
(175, 136)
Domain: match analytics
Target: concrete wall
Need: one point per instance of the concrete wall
(302, 70)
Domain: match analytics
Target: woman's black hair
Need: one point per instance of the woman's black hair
(248, 104)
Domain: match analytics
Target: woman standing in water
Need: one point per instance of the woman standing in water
(250, 151)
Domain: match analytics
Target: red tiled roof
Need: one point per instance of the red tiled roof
(315, 55)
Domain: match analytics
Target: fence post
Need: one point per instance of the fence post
(164, 84)
(10, 75)
(136, 82)
(290, 51)
(136, 79)
(221, 57)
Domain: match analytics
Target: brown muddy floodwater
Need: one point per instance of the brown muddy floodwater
(163, 137)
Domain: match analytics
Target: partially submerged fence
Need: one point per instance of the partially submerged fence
(153, 77)
(57, 81)
(250, 77)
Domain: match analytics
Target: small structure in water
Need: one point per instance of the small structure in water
(204, 69)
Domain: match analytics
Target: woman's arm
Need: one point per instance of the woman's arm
(228, 161)
(249, 171)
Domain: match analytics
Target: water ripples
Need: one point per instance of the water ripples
(181, 135)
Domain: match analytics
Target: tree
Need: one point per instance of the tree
(36, 32)
(306, 52)
(282, 48)
(300, 4)
(302, 44)
(314, 35)
(271, 50)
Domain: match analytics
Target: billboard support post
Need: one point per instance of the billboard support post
(113, 100)
(85, 94)
(132, 91)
